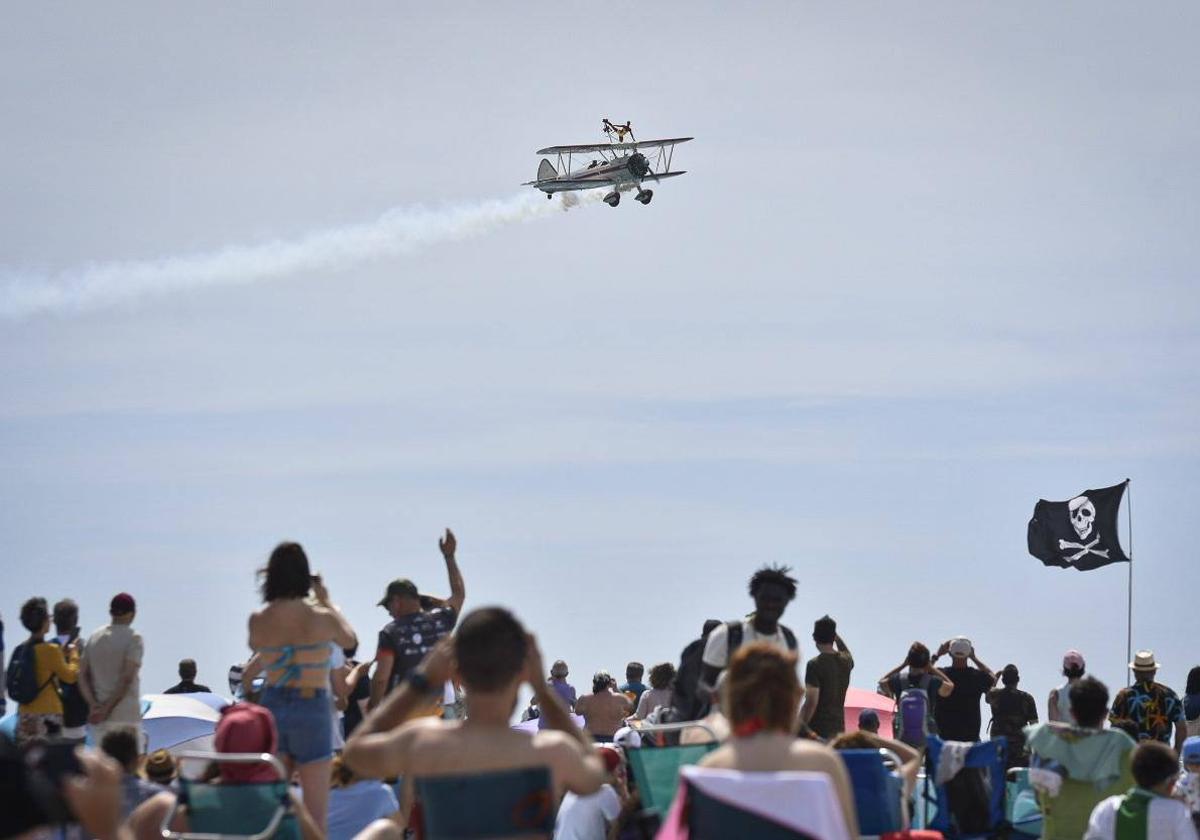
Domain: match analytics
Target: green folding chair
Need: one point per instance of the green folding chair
(505, 803)
(655, 770)
(255, 811)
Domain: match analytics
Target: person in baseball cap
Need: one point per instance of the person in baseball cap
(417, 623)
(1058, 707)
(122, 604)
(400, 588)
(958, 716)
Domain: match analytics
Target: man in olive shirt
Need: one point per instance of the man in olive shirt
(826, 679)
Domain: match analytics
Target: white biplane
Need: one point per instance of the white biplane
(616, 165)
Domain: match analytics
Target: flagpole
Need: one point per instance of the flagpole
(1129, 615)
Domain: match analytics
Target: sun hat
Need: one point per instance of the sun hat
(160, 767)
(1143, 660)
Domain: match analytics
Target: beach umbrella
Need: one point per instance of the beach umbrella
(858, 699)
(177, 722)
(173, 722)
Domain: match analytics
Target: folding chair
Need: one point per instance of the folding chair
(963, 811)
(481, 805)
(722, 804)
(1021, 804)
(253, 811)
(879, 797)
(655, 770)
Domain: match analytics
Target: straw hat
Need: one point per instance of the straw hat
(1144, 661)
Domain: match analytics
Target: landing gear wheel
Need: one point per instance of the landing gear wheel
(612, 199)
(549, 196)
(644, 196)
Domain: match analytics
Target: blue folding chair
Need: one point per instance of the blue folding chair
(971, 805)
(878, 791)
(482, 805)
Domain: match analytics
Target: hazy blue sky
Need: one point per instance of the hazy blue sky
(930, 263)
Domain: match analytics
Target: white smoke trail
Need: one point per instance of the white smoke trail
(397, 231)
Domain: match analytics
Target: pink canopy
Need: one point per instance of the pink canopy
(858, 699)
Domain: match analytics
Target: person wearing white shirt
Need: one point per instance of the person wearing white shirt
(1147, 811)
(772, 588)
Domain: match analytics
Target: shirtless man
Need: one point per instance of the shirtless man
(605, 709)
(493, 655)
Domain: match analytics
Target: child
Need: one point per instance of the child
(1147, 811)
(1187, 786)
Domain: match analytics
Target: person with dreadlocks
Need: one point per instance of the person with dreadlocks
(772, 588)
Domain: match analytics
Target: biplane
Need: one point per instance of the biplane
(616, 165)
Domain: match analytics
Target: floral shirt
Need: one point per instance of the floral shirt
(1153, 708)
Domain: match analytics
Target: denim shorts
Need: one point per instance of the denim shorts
(304, 722)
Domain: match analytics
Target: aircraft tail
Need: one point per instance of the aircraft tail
(546, 170)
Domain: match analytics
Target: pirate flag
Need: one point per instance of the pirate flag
(1079, 534)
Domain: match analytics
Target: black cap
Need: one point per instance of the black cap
(400, 586)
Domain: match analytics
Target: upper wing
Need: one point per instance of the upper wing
(596, 147)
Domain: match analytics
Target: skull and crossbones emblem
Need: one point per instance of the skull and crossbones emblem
(1083, 515)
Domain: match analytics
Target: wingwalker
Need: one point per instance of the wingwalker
(618, 166)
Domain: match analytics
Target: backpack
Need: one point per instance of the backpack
(913, 721)
(687, 678)
(21, 678)
(735, 633)
(75, 708)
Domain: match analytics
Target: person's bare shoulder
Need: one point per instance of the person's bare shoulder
(560, 751)
(812, 755)
(721, 758)
(552, 739)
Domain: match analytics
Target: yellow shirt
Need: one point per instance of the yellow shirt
(50, 661)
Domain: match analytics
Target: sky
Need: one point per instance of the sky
(929, 264)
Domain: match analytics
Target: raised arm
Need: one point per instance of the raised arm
(339, 628)
(992, 675)
(885, 687)
(947, 687)
(458, 588)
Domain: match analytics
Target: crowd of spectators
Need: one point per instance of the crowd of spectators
(358, 738)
